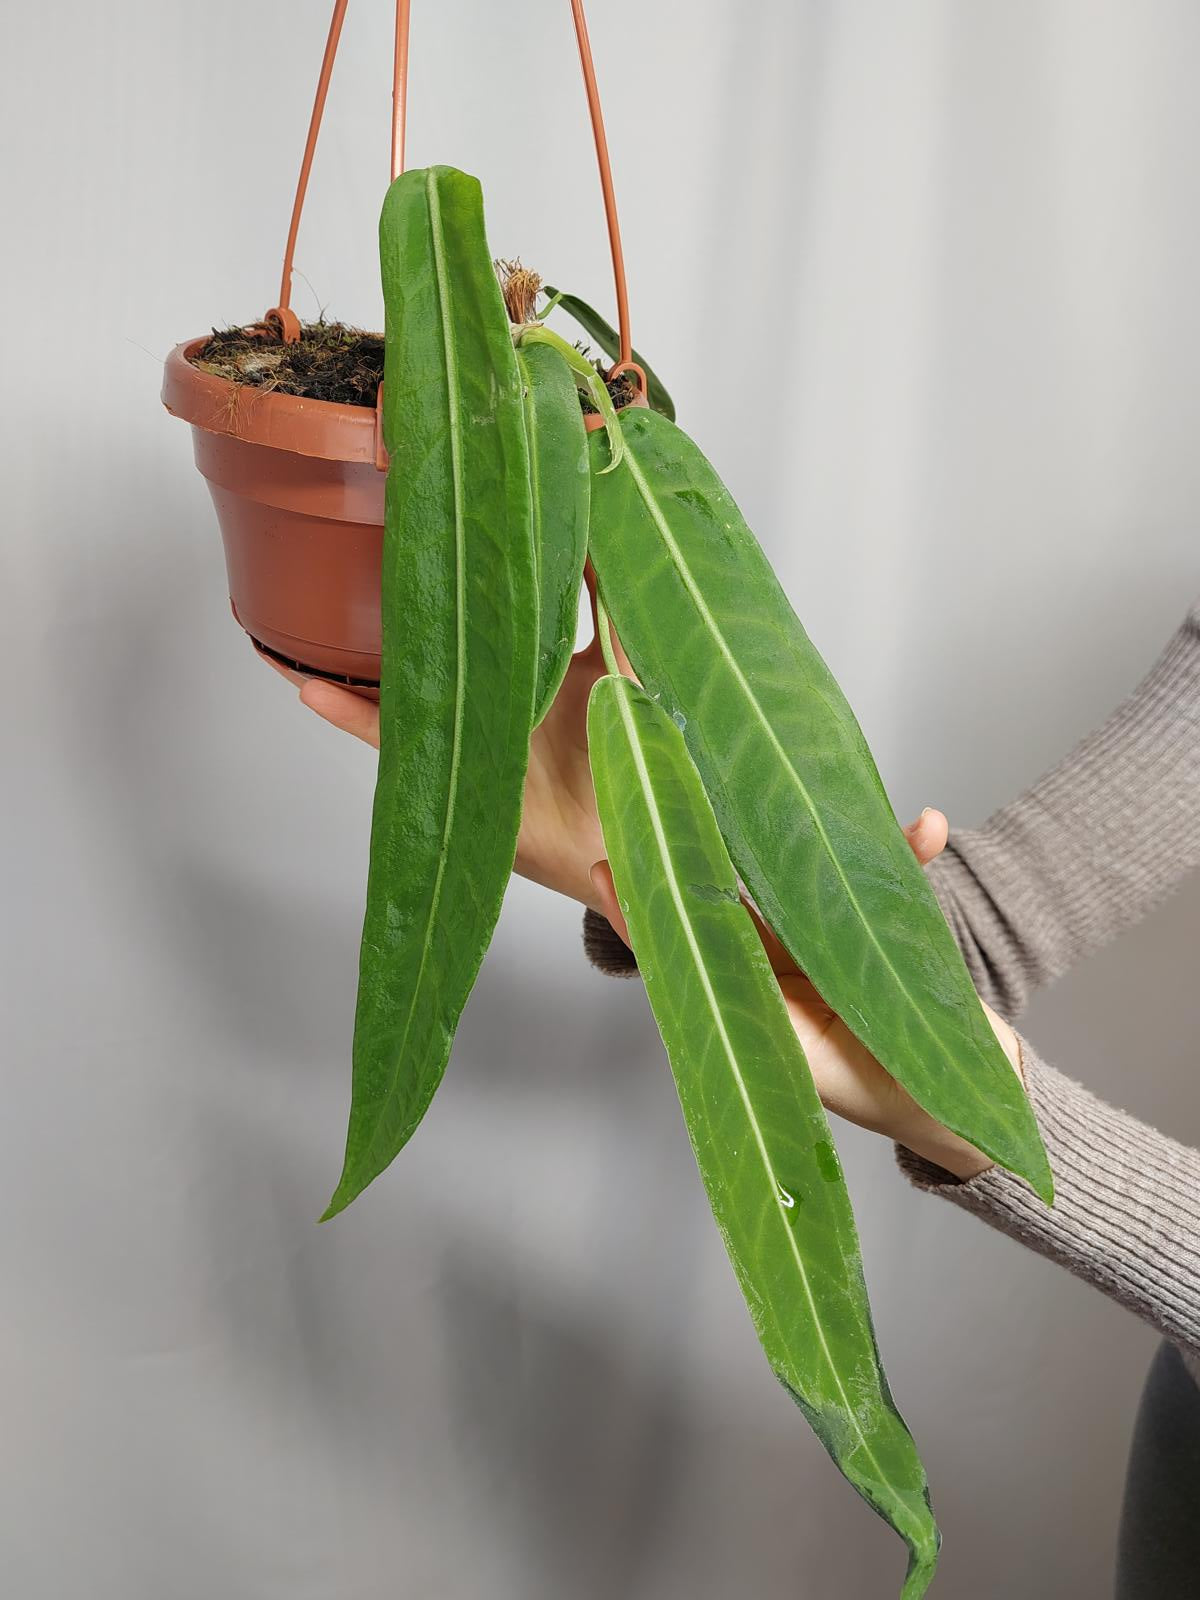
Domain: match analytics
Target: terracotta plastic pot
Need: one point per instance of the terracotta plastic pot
(298, 490)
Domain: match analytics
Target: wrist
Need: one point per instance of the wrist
(941, 1148)
(936, 1144)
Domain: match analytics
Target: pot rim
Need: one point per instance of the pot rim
(593, 421)
(288, 422)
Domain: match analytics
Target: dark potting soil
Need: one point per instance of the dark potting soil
(623, 389)
(331, 361)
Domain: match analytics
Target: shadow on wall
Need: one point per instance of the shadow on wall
(552, 1412)
(182, 792)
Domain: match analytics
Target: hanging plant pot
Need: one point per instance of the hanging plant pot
(298, 485)
(297, 481)
(298, 489)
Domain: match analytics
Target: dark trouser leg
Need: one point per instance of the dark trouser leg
(1158, 1552)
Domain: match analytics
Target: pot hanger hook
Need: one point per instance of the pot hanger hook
(399, 126)
(400, 88)
(639, 373)
(606, 184)
(282, 317)
(285, 319)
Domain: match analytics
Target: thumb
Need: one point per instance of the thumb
(928, 835)
(606, 899)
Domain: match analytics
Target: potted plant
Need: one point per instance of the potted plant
(286, 430)
(731, 759)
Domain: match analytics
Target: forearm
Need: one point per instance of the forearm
(1126, 1216)
(1090, 848)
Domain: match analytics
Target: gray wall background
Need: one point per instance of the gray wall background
(922, 276)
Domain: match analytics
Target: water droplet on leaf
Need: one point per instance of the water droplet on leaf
(827, 1161)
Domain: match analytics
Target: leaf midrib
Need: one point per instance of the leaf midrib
(664, 851)
(529, 412)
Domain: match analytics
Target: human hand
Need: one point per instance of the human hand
(560, 831)
(850, 1081)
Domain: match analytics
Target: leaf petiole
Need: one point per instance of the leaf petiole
(587, 379)
(604, 634)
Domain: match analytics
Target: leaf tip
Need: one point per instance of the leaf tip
(1034, 1167)
(1043, 1187)
(345, 1192)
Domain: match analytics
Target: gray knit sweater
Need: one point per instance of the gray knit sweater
(1087, 852)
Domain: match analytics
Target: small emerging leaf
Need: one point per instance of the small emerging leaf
(753, 1114)
(587, 380)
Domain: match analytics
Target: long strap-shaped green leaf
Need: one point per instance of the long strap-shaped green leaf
(607, 338)
(459, 656)
(756, 1124)
(799, 801)
(560, 478)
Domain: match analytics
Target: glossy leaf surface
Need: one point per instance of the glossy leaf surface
(799, 801)
(607, 338)
(756, 1123)
(459, 656)
(560, 480)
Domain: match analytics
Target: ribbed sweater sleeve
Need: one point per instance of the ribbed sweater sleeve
(1084, 854)
(1091, 847)
(1126, 1215)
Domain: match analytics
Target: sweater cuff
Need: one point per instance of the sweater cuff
(1126, 1216)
